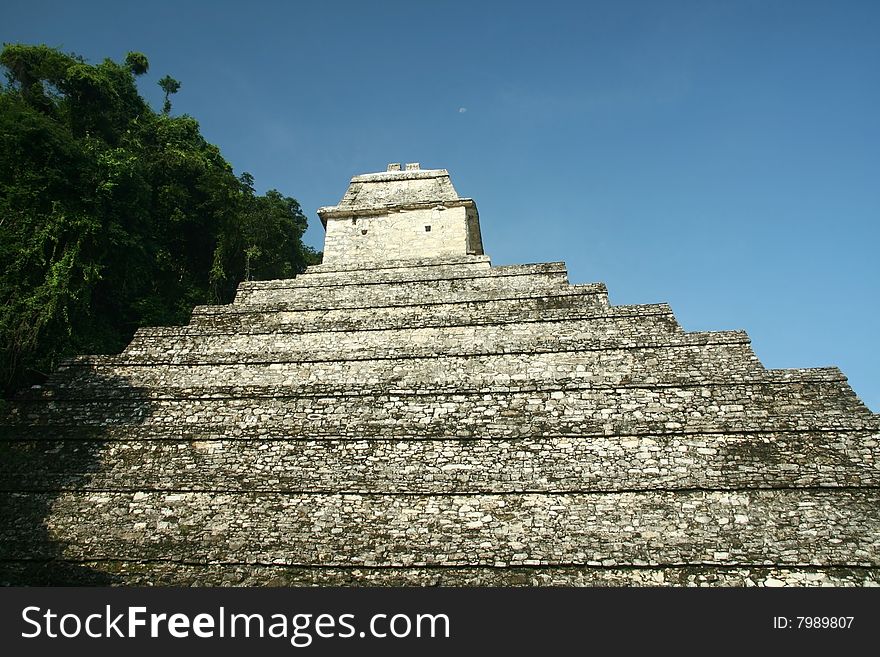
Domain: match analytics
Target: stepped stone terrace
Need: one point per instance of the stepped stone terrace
(406, 413)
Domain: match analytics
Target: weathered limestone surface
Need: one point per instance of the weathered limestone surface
(693, 363)
(400, 214)
(405, 413)
(180, 459)
(789, 527)
(473, 286)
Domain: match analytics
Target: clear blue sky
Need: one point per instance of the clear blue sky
(721, 156)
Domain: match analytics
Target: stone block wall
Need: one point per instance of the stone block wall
(438, 421)
(405, 215)
(416, 233)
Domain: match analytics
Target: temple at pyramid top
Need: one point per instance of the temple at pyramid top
(400, 214)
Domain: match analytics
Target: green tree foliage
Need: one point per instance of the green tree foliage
(169, 86)
(113, 216)
(137, 63)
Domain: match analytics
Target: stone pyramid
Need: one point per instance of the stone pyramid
(406, 413)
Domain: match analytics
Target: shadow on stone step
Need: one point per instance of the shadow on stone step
(51, 442)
